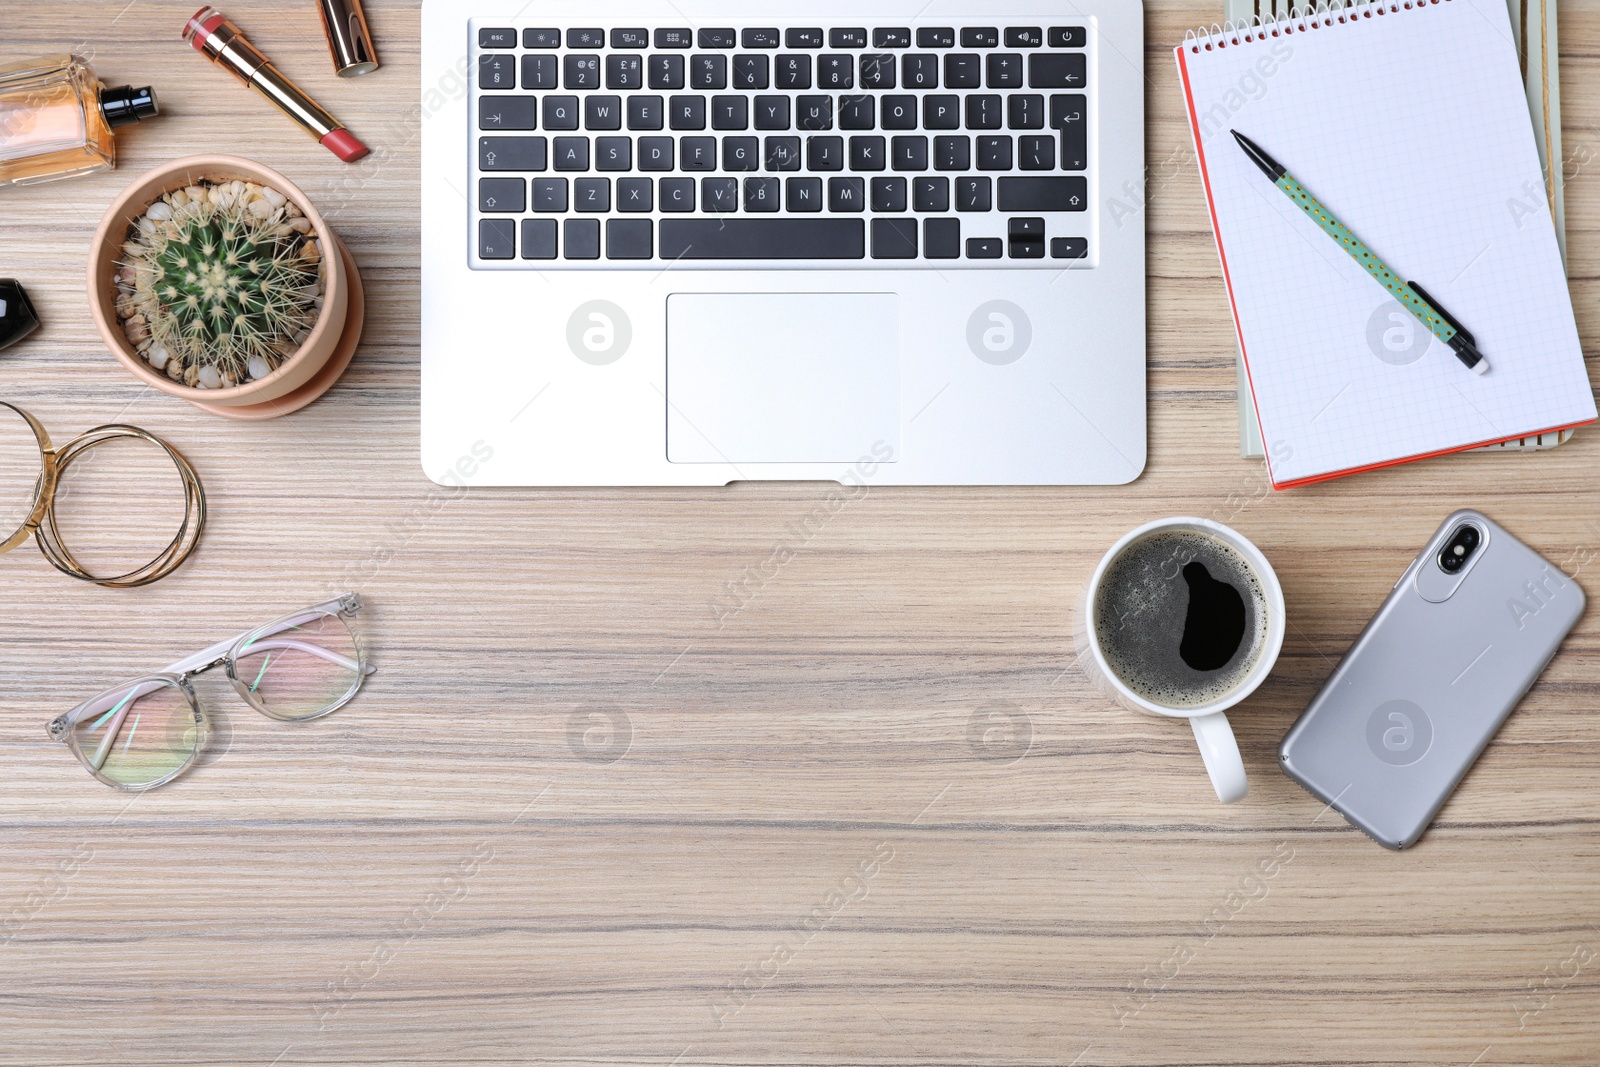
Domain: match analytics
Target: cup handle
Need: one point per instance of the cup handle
(1221, 753)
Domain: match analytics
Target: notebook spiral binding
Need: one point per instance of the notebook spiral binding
(1302, 19)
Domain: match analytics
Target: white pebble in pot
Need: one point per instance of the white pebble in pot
(210, 378)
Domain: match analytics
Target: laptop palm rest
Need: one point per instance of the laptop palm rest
(782, 378)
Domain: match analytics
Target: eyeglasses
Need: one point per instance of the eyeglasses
(146, 732)
(31, 470)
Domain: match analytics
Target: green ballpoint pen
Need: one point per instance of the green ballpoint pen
(1412, 296)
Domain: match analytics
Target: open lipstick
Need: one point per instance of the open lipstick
(219, 40)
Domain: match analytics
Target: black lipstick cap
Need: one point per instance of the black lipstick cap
(17, 318)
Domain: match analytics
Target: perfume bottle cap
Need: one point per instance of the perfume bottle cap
(126, 105)
(17, 318)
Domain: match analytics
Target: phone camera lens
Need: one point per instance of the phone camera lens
(1459, 549)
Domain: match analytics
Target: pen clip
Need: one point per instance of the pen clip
(1422, 294)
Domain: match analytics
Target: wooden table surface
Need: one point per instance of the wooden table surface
(875, 816)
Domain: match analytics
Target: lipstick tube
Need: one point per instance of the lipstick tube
(215, 36)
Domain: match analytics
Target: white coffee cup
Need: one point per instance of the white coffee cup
(1209, 721)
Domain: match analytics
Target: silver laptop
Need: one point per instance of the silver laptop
(675, 243)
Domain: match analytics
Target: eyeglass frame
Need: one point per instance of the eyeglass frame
(222, 654)
(41, 520)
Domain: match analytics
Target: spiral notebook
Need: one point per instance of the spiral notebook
(1408, 119)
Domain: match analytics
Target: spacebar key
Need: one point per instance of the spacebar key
(1044, 194)
(724, 238)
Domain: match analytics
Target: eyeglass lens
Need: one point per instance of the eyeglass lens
(300, 668)
(138, 734)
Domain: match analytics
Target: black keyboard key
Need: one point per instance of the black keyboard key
(541, 38)
(602, 112)
(1036, 153)
(939, 112)
(899, 112)
(1070, 115)
(497, 72)
(730, 112)
(980, 37)
(963, 70)
(644, 113)
(498, 37)
(1025, 228)
(1005, 70)
(1027, 249)
(1069, 248)
(985, 248)
(719, 196)
(687, 112)
(936, 37)
(847, 194)
(983, 112)
(974, 194)
(511, 153)
(539, 238)
(930, 194)
(677, 195)
(613, 153)
(803, 194)
(550, 195)
(894, 238)
(586, 38)
(995, 153)
(540, 72)
(847, 38)
(1057, 70)
(814, 113)
(1068, 36)
(741, 153)
(1025, 112)
(580, 72)
(941, 238)
(497, 238)
(560, 112)
(572, 153)
(626, 71)
(792, 72)
(909, 153)
(708, 72)
(952, 153)
(655, 153)
(890, 37)
(763, 239)
(1044, 194)
(807, 37)
(772, 112)
(762, 195)
(592, 195)
(630, 38)
(835, 71)
(877, 70)
(1024, 37)
(582, 238)
(666, 72)
(857, 113)
(635, 194)
(782, 153)
(750, 72)
(888, 194)
(630, 238)
(717, 39)
(825, 153)
(867, 153)
(508, 112)
(674, 38)
(759, 38)
(699, 153)
(920, 70)
(502, 195)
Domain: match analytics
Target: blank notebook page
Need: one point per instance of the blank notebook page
(1411, 126)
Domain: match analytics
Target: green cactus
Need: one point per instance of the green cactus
(224, 280)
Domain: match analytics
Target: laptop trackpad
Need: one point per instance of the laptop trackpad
(782, 378)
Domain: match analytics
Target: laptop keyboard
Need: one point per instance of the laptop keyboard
(787, 147)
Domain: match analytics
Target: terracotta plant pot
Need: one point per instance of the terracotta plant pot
(303, 376)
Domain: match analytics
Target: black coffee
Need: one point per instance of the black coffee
(1181, 618)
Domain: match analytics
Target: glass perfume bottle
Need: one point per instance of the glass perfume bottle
(56, 119)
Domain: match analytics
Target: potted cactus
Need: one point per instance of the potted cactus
(216, 280)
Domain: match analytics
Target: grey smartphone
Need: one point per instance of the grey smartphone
(1464, 634)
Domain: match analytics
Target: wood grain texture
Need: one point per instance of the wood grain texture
(874, 817)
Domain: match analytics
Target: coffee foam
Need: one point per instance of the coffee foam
(1142, 606)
